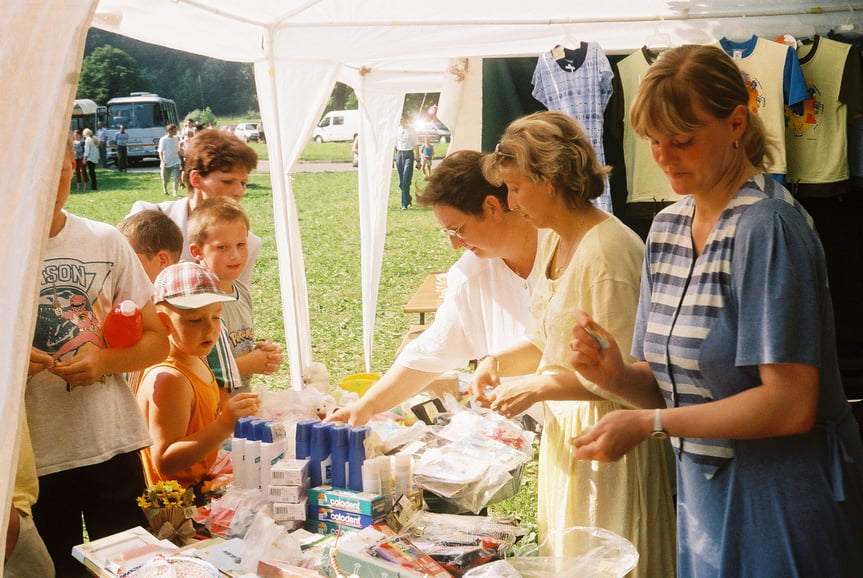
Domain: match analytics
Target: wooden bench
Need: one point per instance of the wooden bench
(429, 296)
(413, 333)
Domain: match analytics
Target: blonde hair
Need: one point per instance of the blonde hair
(89, 134)
(691, 76)
(550, 146)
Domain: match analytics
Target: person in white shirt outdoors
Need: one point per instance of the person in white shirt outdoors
(407, 150)
(91, 155)
(487, 302)
(102, 135)
(169, 159)
(217, 165)
(122, 140)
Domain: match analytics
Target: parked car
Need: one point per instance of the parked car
(229, 128)
(247, 131)
(435, 130)
(338, 125)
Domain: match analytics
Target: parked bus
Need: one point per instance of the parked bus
(145, 116)
(85, 114)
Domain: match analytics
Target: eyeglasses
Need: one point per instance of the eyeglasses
(455, 233)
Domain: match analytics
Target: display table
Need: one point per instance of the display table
(429, 296)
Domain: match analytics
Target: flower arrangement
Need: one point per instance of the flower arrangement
(169, 507)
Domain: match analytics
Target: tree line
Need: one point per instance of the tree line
(116, 65)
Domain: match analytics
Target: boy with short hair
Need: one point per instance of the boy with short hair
(179, 397)
(155, 238)
(85, 425)
(158, 242)
(218, 230)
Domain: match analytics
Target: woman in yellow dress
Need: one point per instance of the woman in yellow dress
(592, 262)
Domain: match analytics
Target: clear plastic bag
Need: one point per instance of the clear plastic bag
(601, 554)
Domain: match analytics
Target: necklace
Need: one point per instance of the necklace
(561, 262)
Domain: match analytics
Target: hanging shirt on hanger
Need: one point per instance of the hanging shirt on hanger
(579, 84)
(648, 188)
(774, 79)
(816, 140)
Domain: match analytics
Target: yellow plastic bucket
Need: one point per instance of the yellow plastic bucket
(359, 383)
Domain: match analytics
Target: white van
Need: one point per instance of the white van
(338, 125)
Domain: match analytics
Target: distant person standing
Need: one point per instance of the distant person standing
(122, 140)
(427, 155)
(406, 152)
(80, 161)
(91, 155)
(102, 135)
(169, 159)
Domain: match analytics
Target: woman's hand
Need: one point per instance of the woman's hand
(615, 434)
(515, 396)
(354, 415)
(485, 377)
(594, 352)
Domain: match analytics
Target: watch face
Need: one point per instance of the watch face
(658, 435)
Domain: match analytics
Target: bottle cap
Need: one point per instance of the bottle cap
(358, 436)
(240, 427)
(266, 433)
(128, 308)
(341, 434)
(304, 429)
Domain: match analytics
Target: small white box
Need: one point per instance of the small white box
(284, 511)
(289, 473)
(290, 494)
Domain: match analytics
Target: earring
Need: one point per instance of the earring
(736, 144)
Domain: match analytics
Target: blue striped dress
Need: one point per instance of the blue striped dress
(757, 294)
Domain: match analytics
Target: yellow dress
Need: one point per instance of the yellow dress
(631, 497)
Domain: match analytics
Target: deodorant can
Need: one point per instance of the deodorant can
(340, 437)
(356, 456)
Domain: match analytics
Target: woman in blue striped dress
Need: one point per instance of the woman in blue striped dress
(736, 340)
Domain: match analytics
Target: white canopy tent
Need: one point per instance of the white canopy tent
(300, 48)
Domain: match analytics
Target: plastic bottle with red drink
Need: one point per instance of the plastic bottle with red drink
(123, 325)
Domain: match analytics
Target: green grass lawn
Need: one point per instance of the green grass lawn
(327, 205)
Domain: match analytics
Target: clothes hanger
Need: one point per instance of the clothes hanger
(658, 41)
(849, 27)
(739, 32)
(558, 52)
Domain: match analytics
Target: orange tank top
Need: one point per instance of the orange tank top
(204, 411)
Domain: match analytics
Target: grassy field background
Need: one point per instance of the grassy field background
(327, 206)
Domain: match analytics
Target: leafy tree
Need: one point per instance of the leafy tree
(204, 117)
(108, 72)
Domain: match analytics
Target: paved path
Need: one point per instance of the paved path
(263, 166)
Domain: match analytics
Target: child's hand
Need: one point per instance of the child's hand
(39, 361)
(85, 368)
(241, 405)
(273, 360)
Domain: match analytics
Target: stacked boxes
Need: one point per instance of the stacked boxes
(289, 482)
(329, 508)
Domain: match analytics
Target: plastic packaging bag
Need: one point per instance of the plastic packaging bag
(266, 540)
(600, 553)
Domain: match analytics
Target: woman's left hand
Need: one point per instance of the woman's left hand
(615, 434)
(514, 397)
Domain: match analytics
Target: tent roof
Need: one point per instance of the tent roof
(376, 33)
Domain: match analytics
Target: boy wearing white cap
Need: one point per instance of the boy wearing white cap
(179, 397)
